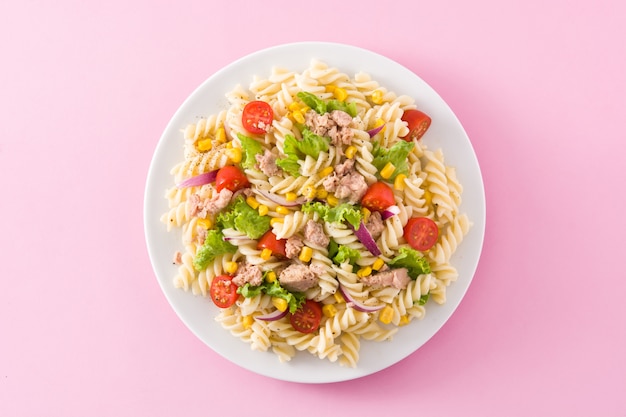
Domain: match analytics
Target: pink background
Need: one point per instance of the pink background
(87, 89)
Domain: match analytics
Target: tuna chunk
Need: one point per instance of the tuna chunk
(334, 125)
(247, 273)
(298, 278)
(293, 246)
(203, 208)
(267, 164)
(314, 233)
(375, 225)
(396, 278)
(351, 187)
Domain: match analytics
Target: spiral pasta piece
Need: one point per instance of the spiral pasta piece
(427, 188)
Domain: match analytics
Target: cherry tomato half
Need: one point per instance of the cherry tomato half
(223, 291)
(271, 242)
(421, 233)
(232, 178)
(307, 318)
(257, 117)
(418, 123)
(378, 197)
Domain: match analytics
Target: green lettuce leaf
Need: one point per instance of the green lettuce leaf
(251, 148)
(412, 260)
(314, 102)
(343, 212)
(397, 155)
(214, 245)
(295, 150)
(274, 289)
(321, 107)
(346, 254)
(240, 216)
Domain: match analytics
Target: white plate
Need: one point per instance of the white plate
(446, 132)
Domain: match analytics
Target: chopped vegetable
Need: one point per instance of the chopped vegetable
(231, 178)
(421, 233)
(257, 117)
(214, 245)
(365, 237)
(307, 318)
(418, 123)
(240, 216)
(397, 155)
(223, 291)
(338, 214)
(415, 263)
(201, 179)
(252, 148)
(321, 107)
(274, 289)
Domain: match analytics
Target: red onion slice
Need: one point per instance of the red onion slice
(206, 178)
(357, 305)
(373, 132)
(390, 212)
(366, 239)
(273, 316)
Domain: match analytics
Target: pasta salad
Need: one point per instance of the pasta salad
(313, 215)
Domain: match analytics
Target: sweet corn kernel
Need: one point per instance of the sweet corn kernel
(263, 210)
(378, 263)
(387, 170)
(329, 310)
(386, 315)
(366, 214)
(310, 192)
(280, 303)
(234, 154)
(365, 271)
(350, 151)
(229, 145)
(332, 200)
(330, 88)
(205, 223)
(339, 297)
(220, 135)
(231, 267)
(204, 145)
(247, 322)
(266, 254)
(326, 171)
(380, 122)
(398, 183)
(291, 196)
(305, 254)
(428, 197)
(282, 210)
(275, 220)
(340, 94)
(252, 202)
(298, 116)
(321, 193)
(377, 97)
(404, 320)
(270, 276)
(294, 106)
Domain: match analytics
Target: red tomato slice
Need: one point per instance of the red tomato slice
(257, 117)
(418, 123)
(223, 291)
(307, 318)
(421, 233)
(232, 178)
(269, 241)
(378, 197)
